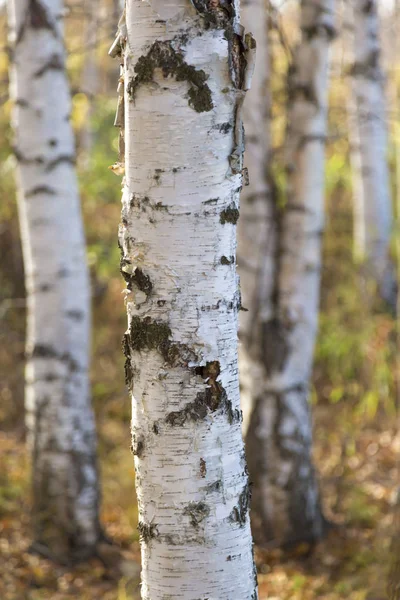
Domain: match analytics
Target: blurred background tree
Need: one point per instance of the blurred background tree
(356, 368)
(59, 419)
(282, 324)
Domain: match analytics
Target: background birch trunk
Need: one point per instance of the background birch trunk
(373, 212)
(286, 505)
(59, 419)
(90, 73)
(257, 224)
(186, 69)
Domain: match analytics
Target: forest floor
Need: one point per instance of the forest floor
(358, 474)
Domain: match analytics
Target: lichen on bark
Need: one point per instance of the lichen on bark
(163, 56)
(214, 398)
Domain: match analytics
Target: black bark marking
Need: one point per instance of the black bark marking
(194, 411)
(197, 512)
(148, 334)
(203, 467)
(369, 7)
(215, 486)
(138, 278)
(40, 189)
(171, 539)
(49, 352)
(63, 273)
(157, 175)
(227, 261)
(217, 14)
(54, 63)
(63, 158)
(42, 351)
(76, 315)
(214, 398)
(21, 158)
(37, 17)
(229, 215)
(144, 203)
(21, 102)
(147, 531)
(137, 446)
(275, 347)
(128, 365)
(49, 377)
(223, 127)
(370, 68)
(163, 56)
(44, 287)
(239, 513)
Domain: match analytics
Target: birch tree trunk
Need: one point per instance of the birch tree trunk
(286, 505)
(373, 213)
(59, 420)
(257, 224)
(90, 73)
(186, 69)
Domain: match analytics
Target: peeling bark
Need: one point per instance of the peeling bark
(280, 258)
(184, 75)
(59, 420)
(373, 211)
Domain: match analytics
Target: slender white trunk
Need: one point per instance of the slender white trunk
(59, 419)
(286, 506)
(257, 224)
(185, 73)
(373, 213)
(90, 73)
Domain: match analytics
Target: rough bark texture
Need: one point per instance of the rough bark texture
(373, 213)
(280, 338)
(186, 68)
(59, 419)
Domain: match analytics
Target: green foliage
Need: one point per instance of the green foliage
(361, 512)
(101, 191)
(355, 357)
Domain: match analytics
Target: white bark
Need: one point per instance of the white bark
(59, 419)
(286, 506)
(90, 73)
(373, 213)
(184, 83)
(257, 224)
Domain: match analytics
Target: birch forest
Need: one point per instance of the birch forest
(199, 306)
